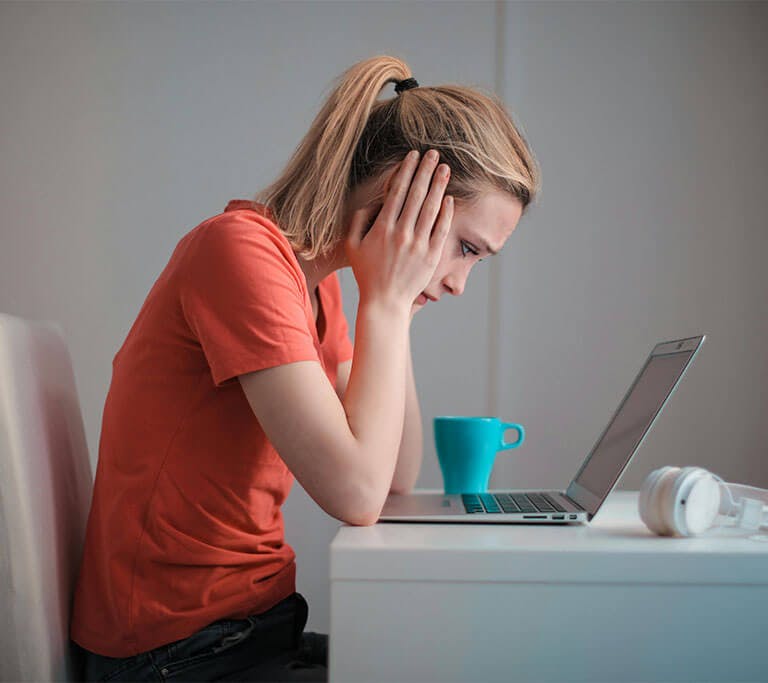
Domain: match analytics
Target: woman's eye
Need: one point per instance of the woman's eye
(466, 248)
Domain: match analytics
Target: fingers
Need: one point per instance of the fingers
(398, 190)
(413, 201)
(417, 193)
(433, 203)
(442, 227)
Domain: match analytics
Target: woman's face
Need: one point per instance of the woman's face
(478, 230)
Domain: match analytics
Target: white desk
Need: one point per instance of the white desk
(607, 601)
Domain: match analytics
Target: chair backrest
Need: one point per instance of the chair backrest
(45, 489)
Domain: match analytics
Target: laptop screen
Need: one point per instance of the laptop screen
(632, 420)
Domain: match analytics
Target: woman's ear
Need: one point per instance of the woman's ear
(373, 191)
(373, 213)
(381, 188)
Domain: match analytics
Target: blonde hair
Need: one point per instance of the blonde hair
(355, 137)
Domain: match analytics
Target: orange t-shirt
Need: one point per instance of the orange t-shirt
(185, 525)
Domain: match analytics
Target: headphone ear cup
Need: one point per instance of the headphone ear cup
(665, 498)
(701, 504)
(676, 498)
(673, 495)
(648, 501)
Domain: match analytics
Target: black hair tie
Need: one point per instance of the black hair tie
(406, 84)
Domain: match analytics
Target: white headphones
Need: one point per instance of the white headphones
(685, 501)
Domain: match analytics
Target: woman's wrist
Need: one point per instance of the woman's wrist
(384, 306)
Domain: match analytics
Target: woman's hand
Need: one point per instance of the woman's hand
(394, 262)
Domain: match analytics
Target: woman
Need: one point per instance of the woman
(238, 375)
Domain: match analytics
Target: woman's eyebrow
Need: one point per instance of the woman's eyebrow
(486, 247)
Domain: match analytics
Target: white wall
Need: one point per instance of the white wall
(126, 124)
(649, 120)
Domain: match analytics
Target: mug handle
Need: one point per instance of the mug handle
(511, 425)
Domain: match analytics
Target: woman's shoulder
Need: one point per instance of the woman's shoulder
(242, 235)
(242, 221)
(246, 214)
(251, 206)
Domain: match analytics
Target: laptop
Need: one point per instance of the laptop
(598, 474)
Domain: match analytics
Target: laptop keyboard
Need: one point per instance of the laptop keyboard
(509, 502)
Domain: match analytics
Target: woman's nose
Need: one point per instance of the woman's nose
(454, 283)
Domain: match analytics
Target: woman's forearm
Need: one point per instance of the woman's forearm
(375, 397)
(411, 444)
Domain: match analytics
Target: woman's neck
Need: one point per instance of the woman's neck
(317, 269)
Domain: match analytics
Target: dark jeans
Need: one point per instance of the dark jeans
(266, 647)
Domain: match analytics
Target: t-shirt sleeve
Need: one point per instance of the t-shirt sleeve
(243, 299)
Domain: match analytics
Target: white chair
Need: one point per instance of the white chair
(45, 489)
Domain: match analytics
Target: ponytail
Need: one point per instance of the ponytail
(308, 198)
(354, 137)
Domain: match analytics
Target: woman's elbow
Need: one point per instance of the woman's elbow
(363, 507)
(361, 516)
(362, 521)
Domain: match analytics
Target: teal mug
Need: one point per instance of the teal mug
(466, 449)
